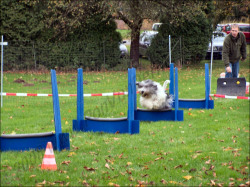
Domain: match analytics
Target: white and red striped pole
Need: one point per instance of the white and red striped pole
(229, 97)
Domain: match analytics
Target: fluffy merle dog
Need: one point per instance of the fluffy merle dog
(153, 95)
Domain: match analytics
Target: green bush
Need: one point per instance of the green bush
(189, 41)
(93, 46)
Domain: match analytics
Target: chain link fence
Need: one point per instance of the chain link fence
(67, 56)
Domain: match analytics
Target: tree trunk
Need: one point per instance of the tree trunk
(134, 50)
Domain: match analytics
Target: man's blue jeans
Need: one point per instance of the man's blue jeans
(235, 70)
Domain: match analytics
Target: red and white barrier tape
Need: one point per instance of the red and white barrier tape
(230, 97)
(107, 94)
(64, 95)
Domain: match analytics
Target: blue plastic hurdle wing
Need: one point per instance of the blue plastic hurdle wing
(37, 141)
(205, 103)
(107, 125)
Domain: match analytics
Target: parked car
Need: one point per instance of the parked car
(145, 41)
(123, 49)
(217, 46)
(243, 27)
(221, 27)
(156, 26)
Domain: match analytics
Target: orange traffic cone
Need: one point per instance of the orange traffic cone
(49, 161)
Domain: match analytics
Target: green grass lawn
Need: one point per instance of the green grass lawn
(210, 147)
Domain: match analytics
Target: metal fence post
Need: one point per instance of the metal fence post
(2, 44)
(169, 37)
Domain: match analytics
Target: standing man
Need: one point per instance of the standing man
(234, 49)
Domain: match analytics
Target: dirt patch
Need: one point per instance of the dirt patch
(96, 81)
(19, 81)
(28, 84)
(85, 82)
(43, 81)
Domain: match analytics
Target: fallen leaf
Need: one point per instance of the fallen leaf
(208, 162)
(188, 177)
(128, 172)
(130, 178)
(214, 174)
(41, 183)
(211, 167)
(31, 176)
(8, 167)
(76, 148)
(84, 182)
(192, 170)
(212, 182)
(129, 163)
(163, 181)
(146, 175)
(159, 158)
(107, 165)
(71, 154)
(173, 182)
(198, 151)
(231, 184)
(179, 166)
(227, 149)
(66, 162)
(120, 156)
(88, 169)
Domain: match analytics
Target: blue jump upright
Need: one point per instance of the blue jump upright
(108, 125)
(37, 141)
(205, 103)
(161, 115)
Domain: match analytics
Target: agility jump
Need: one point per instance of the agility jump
(205, 103)
(37, 141)
(160, 115)
(108, 125)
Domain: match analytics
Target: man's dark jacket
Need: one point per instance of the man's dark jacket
(234, 48)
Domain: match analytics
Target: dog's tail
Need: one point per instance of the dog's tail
(165, 84)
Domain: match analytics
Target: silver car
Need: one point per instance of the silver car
(217, 46)
(145, 41)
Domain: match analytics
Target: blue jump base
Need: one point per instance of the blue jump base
(24, 142)
(157, 115)
(106, 125)
(205, 103)
(37, 141)
(196, 103)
